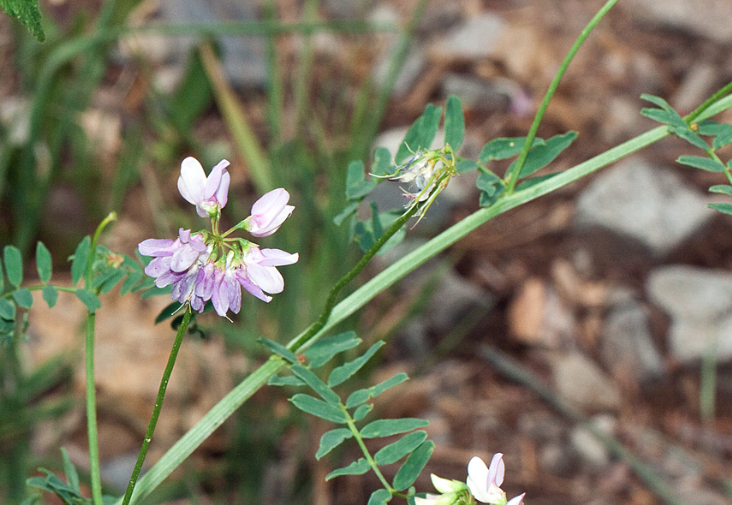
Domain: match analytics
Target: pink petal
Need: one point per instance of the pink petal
(497, 470)
(277, 257)
(157, 247)
(271, 203)
(267, 278)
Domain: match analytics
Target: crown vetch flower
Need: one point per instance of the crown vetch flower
(208, 194)
(268, 213)
(485, 482)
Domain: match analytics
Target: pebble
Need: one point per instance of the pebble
(593, 452)
(476, 38)
(640, 203)
(699, 304)
(580, 382)
(705, 18)
(627, 345)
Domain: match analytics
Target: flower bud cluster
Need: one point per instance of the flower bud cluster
(208, 265)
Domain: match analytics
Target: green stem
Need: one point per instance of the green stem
(714, 98)
(91, 396)
(91, 413)
(359, 439)
(514, 175)
(258, 378)
(158, 405)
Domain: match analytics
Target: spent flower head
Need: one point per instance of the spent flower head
(211, 266)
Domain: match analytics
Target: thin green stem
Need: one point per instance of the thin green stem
(359, 440)
(158, 405)
(297, 344)
(516, 171)
(91, 396)
(91, 413)
(707, 103)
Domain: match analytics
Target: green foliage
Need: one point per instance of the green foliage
(80, 260)
(413, 466)
(543, 154)
(89, 299)
(327, 348)
(379, 497)
(332, 439)
(397, 450)
(319, 408)
(357, 186)
(676, 125)
(363, 395)
(454, 123)
(344, 372)
(421, 134)
(28, 13)
(505, 148)
(13, 265)
(23, 298)
(359, 467)
(702, 162)
(44, 264)
(389, 427)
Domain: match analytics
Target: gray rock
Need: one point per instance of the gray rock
(455, 298)
(476, 93)
(243, 57)
(477, 38)
(645, 203)
(582, 383)
(705, 18)
(699, 303)
(627, 345)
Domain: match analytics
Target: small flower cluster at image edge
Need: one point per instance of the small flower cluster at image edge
(483, 484)
(211, 265)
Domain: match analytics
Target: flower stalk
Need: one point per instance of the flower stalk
(158, 405)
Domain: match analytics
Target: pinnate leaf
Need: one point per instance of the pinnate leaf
(357, 186)
(44, 264)
(325, 349)
(701, 162)
(397, 450)
(23, 298)
(454, 123)
(318, 408)
(50, 295)
(332, 439)
(13, 265)
(359, 467)
(80, 260)
(389, 427)
(379, 497)
(413, 466)
(316, 384)
(89, 299)
(364, 395)
(344, 372)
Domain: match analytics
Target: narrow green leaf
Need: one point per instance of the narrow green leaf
(316, 384)
(50, 295)
(23, 298)
(397, 450)
(542, 155)
(344, 372)
(504, 148)
(383, 164)
(658, 115)
(488, 182)
(72, 476)
(421, 134)
(454, 123)
(332, 439)
(89, 299)
(683, 131)
(80, 260)
(727, 190)
(359, 467)
(362, 411)
(287, 380)
(657, 101)
(413, 466)
(168, 312)
(111, 280)
(2, 277)
(389, 427)
(364, 395)
(466, 166)
(379, 497)
(13, 265)
(325, 349)
(724, 208)
(279, 349)
(7, 309)
(357, 186)
(701, 162)
(44, 263)
(487, 200)
(319, 408)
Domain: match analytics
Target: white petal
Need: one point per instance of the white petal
(192, 180)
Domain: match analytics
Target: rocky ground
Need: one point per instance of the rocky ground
(588, 311)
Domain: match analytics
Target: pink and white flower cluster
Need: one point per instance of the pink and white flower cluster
(205, 265)
(483, 484)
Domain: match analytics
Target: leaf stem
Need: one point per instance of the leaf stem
(359, 439)
(514, 175)
(158, 405)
